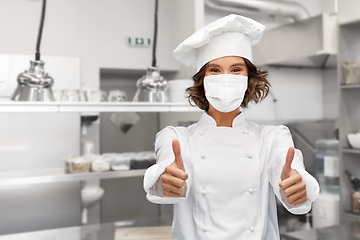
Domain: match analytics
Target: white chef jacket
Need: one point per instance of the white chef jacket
(234, 174)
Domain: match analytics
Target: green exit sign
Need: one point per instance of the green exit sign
(139, 41)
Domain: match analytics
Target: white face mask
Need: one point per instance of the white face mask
(225, 92)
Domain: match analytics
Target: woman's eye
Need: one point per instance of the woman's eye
(214, 70)
(236, 70)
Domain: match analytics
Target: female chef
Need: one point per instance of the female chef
(222, 173)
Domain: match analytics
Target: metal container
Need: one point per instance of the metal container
(152, 87)
(34, 85)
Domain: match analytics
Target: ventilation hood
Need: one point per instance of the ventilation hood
(307, 43)
(293, 10)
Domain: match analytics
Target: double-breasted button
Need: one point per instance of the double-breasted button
(249, 155)
(201, 133)
(204, 229)
(202, 156)
(250, 190)
(204, 192)
(245, 132)
(251, 229)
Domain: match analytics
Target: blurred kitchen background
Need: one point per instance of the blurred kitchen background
(107, 45)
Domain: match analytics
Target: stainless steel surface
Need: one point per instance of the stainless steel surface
(59, 175)
(27, 208)
(105, 231)
(19, 107)
(34, 84)
(348, 231)
(152, 87)
(274, 8)
(320, 52)
(38, 140)
(350, 150)
(125, 199)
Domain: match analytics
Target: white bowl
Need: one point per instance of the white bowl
(90, 195)
(354, 140)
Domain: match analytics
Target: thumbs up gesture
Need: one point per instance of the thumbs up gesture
(174, 177)
(291, 182)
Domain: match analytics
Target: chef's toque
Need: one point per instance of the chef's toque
(233, 35)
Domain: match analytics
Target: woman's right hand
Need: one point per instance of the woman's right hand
(174, 177)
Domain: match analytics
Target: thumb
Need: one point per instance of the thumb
(178, 159)
(287, 166)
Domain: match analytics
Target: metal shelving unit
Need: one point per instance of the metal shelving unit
(355, 86)
(59, 174)
(349, 115)
(52, 175)
(350, 150)
(59, 107)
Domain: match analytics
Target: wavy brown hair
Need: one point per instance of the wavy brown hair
(258, 87)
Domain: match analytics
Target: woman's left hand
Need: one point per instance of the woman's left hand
(291, 182)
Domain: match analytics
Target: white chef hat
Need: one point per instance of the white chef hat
(233, 35)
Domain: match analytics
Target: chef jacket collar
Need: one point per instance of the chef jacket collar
(206, 119)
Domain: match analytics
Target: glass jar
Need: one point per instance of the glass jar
(94, 96)
(70, 95)
(117, 96)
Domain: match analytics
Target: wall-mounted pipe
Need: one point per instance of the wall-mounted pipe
(278, 8)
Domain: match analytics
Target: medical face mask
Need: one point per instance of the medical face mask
(225, 92)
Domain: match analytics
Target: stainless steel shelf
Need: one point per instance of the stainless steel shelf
(14, 107)
(350, 23)
(53, 175)
(350, 86)
(350, 214)
(351, 150)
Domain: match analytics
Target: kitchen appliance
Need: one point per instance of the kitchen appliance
(152, 87)
(34, 84)
(327, 165)
(325, 208)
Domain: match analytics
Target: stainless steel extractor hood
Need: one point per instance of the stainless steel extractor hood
(308, 43)
(288, 9)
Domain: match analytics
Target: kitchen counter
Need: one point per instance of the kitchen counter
(104, 231)
(346, 231)
(108, 231)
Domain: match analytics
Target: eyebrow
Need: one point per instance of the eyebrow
(235, 64)
(238, 64)
(213, 65)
